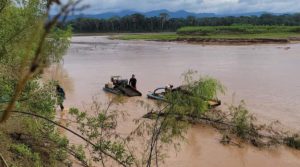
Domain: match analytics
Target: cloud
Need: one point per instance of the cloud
(215, 6)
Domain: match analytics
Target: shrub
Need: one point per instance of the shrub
(24, 151)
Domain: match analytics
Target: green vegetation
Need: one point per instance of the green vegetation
(101, 128)
(213, 29)
(29, 134)
(219, 33)
(25, 151)
(237, 29)
(29, 43)
(176, 37)
(163, 23)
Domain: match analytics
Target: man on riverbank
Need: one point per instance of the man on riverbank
(61, 96)
(132, 81)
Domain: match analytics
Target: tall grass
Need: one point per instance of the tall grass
(237, 29)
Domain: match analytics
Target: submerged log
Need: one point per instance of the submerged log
(190, 118)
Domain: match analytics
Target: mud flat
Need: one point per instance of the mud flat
(234, 41)
(217, 39)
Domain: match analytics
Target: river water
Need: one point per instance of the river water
(265, 76)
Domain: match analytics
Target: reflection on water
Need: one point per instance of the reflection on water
(265, 76)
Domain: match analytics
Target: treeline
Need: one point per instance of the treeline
(140, 23)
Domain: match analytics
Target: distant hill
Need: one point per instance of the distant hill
(176, 14)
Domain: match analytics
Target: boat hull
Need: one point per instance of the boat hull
(155, 97)
(127, 91)
(112, 90)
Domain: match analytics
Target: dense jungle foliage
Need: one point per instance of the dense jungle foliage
(139, 23)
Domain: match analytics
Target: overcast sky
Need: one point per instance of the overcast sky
(199, 6)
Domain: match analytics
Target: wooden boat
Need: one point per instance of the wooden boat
(159, 94)
(121, 87)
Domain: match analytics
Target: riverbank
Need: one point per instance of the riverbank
(269, 38)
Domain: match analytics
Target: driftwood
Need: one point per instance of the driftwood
(189, 118)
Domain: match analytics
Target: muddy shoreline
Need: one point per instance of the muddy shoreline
(201, 40)
(212, 41)
(234, 41)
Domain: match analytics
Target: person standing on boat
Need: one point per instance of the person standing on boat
(132, 81)
(61, 96)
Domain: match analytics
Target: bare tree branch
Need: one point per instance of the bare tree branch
(155, 134)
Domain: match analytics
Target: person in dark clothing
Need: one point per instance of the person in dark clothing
(132, 81)
(61, 96)
(168, 88)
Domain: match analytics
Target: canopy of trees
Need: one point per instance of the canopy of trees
(140, 23)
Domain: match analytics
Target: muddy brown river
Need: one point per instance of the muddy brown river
(265, 76)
